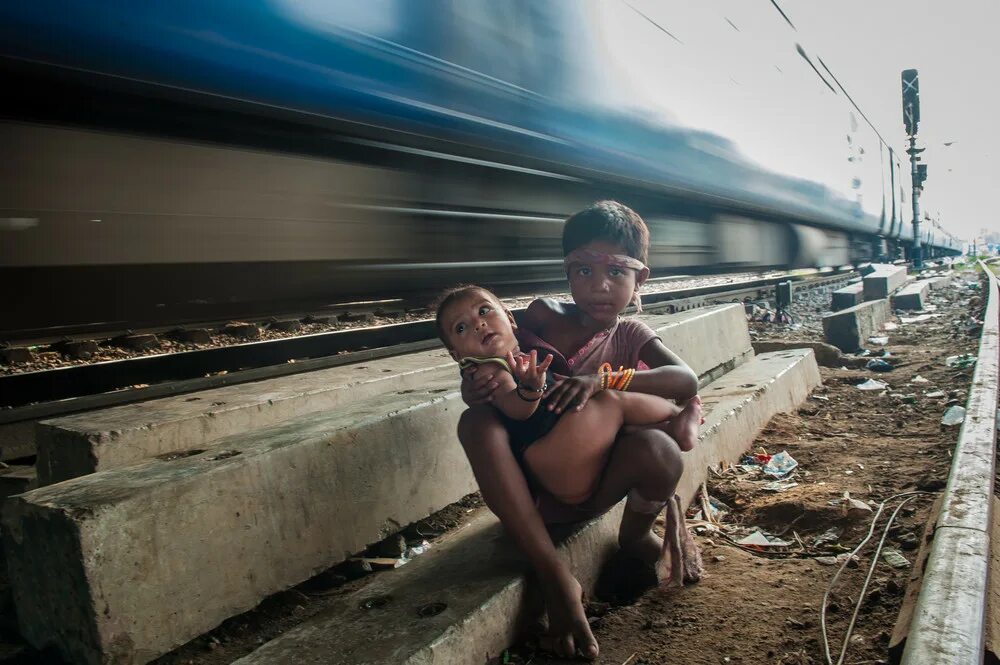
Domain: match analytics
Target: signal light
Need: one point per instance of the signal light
(911, 100)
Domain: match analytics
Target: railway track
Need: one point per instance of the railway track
(949, 623)
(48, 393)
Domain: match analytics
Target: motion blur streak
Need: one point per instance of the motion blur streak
(170, 161)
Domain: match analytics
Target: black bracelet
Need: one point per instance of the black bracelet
(538, 393)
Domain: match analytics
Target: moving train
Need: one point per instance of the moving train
(184, 160)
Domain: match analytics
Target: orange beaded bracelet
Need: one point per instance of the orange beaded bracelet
(615, 380)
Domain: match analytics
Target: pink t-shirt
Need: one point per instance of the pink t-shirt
(618, 345)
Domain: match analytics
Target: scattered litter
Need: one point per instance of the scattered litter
(416, 550)
(758, 539)
(828, 537)
(716, 509)
(857, 507)
(826, 560)
(961, 362)
(852, 507)
(780, 465)
(935, 394)
(919, 379)
(955, 415)
(917, 319)
(821, 398)
(872, 384)
(890, 326)
(878, 341)
(779, 485)
(878, 365)
(380, 563)
(894, 558)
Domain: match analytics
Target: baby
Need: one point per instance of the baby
(566, 452)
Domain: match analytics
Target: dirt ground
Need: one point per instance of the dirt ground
(751, 606)
(756, 607)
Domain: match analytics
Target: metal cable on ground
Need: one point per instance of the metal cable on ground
(871, 571)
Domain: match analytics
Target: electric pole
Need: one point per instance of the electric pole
(911, 117)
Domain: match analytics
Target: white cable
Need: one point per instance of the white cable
(871, 571)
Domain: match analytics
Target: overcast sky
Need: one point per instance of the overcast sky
(736, 66)
(954, 45)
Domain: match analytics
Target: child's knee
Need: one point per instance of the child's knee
(658, 453)
(479, 423)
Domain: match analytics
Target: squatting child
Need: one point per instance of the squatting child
(605, 248)
(564, 452)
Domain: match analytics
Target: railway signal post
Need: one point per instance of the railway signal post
(911, 118)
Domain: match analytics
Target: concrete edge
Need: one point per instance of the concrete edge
(949, 622)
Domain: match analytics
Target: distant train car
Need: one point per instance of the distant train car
(177, 161)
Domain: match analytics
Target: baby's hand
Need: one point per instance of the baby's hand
(527, 370)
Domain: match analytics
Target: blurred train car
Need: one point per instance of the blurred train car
(179, 161)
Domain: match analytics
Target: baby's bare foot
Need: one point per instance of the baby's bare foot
(684, 427)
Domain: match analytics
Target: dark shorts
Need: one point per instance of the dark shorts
(555, 512)
(523, 433)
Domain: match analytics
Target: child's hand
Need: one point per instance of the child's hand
(527, 370)
(572, 391)
(479, 383)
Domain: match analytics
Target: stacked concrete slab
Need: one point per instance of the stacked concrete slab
(912, 296)
(100, 563)
(83, 443)
(486, 592)
(939, 282)
(883, 281)
(849, 296)
(95, 441)
(849, 329)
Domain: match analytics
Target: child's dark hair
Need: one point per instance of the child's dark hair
(449, 296)
(610, 221)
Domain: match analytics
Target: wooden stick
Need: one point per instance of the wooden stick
(706, 507)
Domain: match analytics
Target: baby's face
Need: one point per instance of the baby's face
(477, 325)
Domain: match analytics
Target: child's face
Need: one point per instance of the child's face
(603, 289)
(478, 325)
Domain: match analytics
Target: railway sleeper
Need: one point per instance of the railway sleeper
(83, 443)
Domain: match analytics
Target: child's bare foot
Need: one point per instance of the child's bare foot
(680, 559)
(569, 631)
(684, 427)
(645, 549)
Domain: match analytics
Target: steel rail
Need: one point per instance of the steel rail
(47, 393)
(948, 625)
